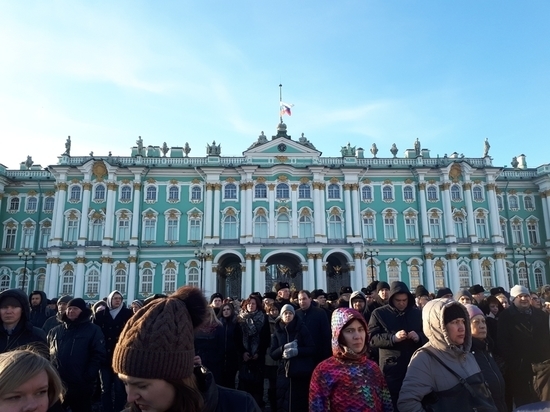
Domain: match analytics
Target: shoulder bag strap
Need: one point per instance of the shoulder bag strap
(460, 378)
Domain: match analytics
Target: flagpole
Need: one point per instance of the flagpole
(280, 102)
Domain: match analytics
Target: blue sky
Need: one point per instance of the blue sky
(448, 73)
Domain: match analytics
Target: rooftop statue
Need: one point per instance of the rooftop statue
(139, 143)
(487, 146)
(394, 150)
(347, 151)
(417, 147)
(213, 149)
(186, 149)
(374, 150)
(29, 162)
(303, 140)
(67, 147)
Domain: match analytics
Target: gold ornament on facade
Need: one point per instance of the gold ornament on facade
(14, 193)
(355, 186)
(173, 182)
(217, 186)
(125, 181)
(477, 181)
(283, 209)
(262, 268)
(120, 266)
(486, 263)
(490, 186)
(260, 179)
(132, 259)
(106, 259)
(475, 255)
(334, 180)
(451, 256)
(393, 263)
(99, 169)
(261, 212)
(242, 185)
(389, 213)
(347, 186)
(67, 267)
(445, 186)
(137, 186)
(335, 211)
(512, 191)
(282, 159)
(499, 255)
(150, 215)
(75, 181)
(366, 181)
(112, 186)
(455, 172)
(528, 191)
(415, 262)
(282, 178)
(72, 215)
(249, 256)
(170, 265)
(29, 224)
(422, 186)
(428, 256)
(62, 186)
(271, 186)
(305, 212)
(147, 265)
(410, 213)
(97, 216)
(80, 259)
(388, 182)
(230, 212)
(368, 214)
(87, 186)
(408, 181)
(467, 186)
(195, 181)
(151, 180)
(294, 187)
(434, 214)
(304, 180)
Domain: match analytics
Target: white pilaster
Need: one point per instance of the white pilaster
(358, 277)
(320, 275)
(470, 212)
(132, 278)
(258, 275)
(450, 235)
(271, 202)
(312, 273)
(348, 212)
(108, 237)
(244, 211)
(83, 233)
(493, 214)
(429, 273)
(105, 279)
(476, 268)
(294, 215)
(356, 213)
(424, 215)
(210, 278)
(57, 224)
(318, 213)
(136, 217)
(216, 212)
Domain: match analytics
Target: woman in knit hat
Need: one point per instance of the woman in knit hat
(432, 368)
(348, 380)
(155, 355)
(292, 344)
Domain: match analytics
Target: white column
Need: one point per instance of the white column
(545, 213)
(2, 196)
(319, 274)
(494, 216)
(244, 211)
(358, 278)
(105, 279)
(57, 224)
(216, 211)
(348, 212)
(208, 211)
(423, 213)
(323, 212)
(79, 274)
(249, 202)
(132, 279)
(450, 235)
(476, 268)
(294, 216)
(311, 272)
(110, 214)
(136, 217)
(500, 266)
(470, 211)
(83, 233)
(52, 274)
(258, 275)
(317, 212)
(271, 203)
(209, 278)
(429, 277)
(454, 282)
(356, 212)
(244, 283)
(249, 273)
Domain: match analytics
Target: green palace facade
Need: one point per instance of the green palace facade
(158, 219)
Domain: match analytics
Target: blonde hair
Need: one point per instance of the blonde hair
(18, 366)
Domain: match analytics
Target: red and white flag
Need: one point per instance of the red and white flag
(285, 109)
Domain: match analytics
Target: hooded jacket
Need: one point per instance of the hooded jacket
(39, 314)
(77, 350)
(24, 333)
(360, 295)
(112, 327)
(348, 381)
(384, 323)
(424, 373)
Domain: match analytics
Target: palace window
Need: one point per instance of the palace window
(45, 233)
(67, 283)
(195, 228)
(387, 193)
(335, 230)
(146, 282)
(173, 194)
(500, 203)
(27, 239)
(533, 232)
(528, 203)
(456, 193)
(48, 204)
(304, 191)
(408, 194)
(431, 191)
(460, 230)
(513, 202)
(369, 229)
(282, 191)
(149, 228)
(517, 232)
(125, 194)
(92, 283)
(32, 204)
(260, 191)
(390, 231)
(283, 226)
(193, 277)
(464, 276)
(260, 227)
(196, 194)
(230, 227)
(477, 194)
(151, 194)
(333, 191)
(305, 227)
(169, 281)
(410, 228)
(99, 193)
(366, 194)
(481, 226)
(14, 204)
(4, 282)
(75, 194)
(230, 191)
(120, 281)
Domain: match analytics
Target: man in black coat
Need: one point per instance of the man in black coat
(382, 296)
(111, 320)
(396, 330)
(39, 308)
(56, 319)
(523, 338)
(77, 351)
(17, 329)
(317, 323)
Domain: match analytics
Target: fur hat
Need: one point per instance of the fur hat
(216, 295)
(474, 290)
(316, 293)
(382, 285)
(346, 289)
(158, 341)
(497, 291)
(270, 295)
(518, 290)
(281, 285)
(442, 292)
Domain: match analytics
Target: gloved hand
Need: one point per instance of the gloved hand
(291, 345)
(290, 353)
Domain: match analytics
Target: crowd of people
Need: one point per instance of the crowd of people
(381, 349)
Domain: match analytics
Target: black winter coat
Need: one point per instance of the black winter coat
(52, 322)
(318, 326)
(112, 328)
(40, 314)
(24, 333)
(209, 346)
(77, 350)
(490, 371)
(385, 322)
(292, 372)
(231, 338)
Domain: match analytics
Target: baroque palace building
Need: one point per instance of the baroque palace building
(158, 219)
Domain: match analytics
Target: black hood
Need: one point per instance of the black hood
(43, 299)
(400, 287)
(21, 298)
(84, 317)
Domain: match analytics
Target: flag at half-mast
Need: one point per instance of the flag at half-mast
(285, 108)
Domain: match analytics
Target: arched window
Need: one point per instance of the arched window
(432, 193)
(172, 233)
(369, 230)
(304, 191)
(169, 281)
(533, 232)
(96, 229)
(67, 282)
(75, 194)
(390, 229)
(173, 194)
(4, 282)
(99, 193)
(335, 227)
(92, 283)
(434, 223)
(151, 194)
(31, 204)
(23, 283)
(260, 227)
(456, 193)
(393, 272)
(193, 277)
(125, 194)
(477, 193)
(146, 284)
(410, 227)
(460, 231)
(500, 204)
(27, 239)
(230, 227)
(439, 274)
(305, 226)
(464, 276)
(149, 228)
(40, 282)
(230, 191)
(120, 281)
(528, 203)
(517, 232)
(486, 277)
(196, 194)
(283, 226)
(481, 226)
(387, 193)
(14, 204)
(408, 194)
(260, 191)
(282, 191)
(539, 277)
(48, 204)
(366, 194)
(513, 202)
(414, 273)
(522, 275)
(195, 229)
(333, 191)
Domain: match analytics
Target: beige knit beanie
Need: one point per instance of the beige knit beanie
(158, 341)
